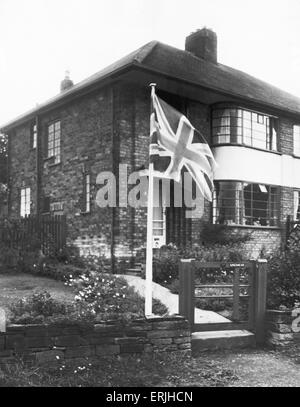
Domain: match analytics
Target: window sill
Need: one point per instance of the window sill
(85, 213)
(51, 165)
(49, 158)
(252, 227)
(246, 146)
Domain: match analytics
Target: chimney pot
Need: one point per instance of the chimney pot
(66, 83)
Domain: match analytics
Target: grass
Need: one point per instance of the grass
(226, 368)
(19, 285)
(158, 370)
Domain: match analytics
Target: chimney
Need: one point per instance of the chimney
(66, 83)
(203, 43)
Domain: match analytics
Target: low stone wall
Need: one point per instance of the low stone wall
(283, 327)
(47, 343)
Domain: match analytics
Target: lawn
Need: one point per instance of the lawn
(16, 286)
(230, 368)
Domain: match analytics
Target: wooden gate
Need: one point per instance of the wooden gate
(236, 291)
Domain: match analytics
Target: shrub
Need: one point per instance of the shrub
(110, 297)
(166, 265)
(284, 279)
(174, 286)
(222, 235)
(59, 271)
(36, 309)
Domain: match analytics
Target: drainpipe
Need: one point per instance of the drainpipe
(38, 166)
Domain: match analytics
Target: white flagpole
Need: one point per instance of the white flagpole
(149, 244)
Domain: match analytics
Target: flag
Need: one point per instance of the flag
(175, 143)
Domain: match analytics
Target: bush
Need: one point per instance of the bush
(222, 235)
(59, 271)
(109, 297)
(36, 309)
(166, 265)
(284, 279)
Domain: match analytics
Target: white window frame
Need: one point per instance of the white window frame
(54, 141)
(296, 209)
(87, 192)
(159, 217)
(25, 202)
(296, 139)
(33, 135)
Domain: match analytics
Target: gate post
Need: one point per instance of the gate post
(186, 291)
(260, 299)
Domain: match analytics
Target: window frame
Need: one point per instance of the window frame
(296, 153)
(272, 205)
(271, 128)
(296, 191)
(53, 150)
(33, 135)
(86, 194)
(25, 201)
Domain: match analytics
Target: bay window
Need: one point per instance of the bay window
(232, 125)
(296, 205)
(242, 203)
(296, 136)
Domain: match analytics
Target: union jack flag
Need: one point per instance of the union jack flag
(175, 143)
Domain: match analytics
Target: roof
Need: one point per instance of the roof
(181, 65)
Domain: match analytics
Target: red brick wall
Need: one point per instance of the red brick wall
(99, 131)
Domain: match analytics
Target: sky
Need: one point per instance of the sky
(41, 39)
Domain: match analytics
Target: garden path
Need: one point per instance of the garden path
(171, 300)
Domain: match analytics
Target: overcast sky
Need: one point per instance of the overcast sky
(40, 39)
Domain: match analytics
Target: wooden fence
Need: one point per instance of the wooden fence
(47, 233)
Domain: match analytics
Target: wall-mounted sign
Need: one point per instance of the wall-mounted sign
(56, 206)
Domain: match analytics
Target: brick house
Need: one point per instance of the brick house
(57, 149)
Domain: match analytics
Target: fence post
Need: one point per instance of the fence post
(187, 291)
(260, 299)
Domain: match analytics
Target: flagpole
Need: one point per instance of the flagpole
(149, 244)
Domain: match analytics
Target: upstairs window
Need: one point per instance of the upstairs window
(241, 126)
(242, 203)
(54, 134)
(25, 202)
(296, 136)
(33, 135)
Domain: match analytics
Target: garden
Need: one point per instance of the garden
(60, 287)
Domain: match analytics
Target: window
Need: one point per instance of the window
(87, 184)
(54, 141)
(159, 217)
(33, 135)
(296, 205)
(241, 126)
(296, 135)
(25, 202)
(242, 203)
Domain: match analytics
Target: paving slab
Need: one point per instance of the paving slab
(170, 300)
